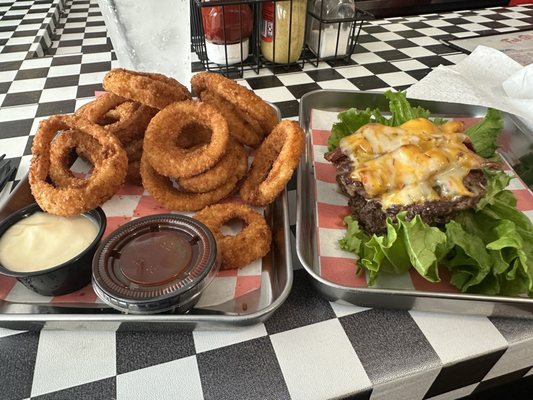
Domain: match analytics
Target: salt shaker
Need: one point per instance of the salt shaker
(330, 39)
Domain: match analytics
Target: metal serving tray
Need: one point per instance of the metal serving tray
(249, 309)
(520, 142)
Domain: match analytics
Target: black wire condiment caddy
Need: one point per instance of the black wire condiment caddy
(292, 21)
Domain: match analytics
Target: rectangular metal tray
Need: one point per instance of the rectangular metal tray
(520, 142)
(276, 282)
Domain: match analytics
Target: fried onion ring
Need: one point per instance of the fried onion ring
(239, 128)
(238, 96)
(121, 110)
(151, 89)
(164, 192)
(164, 130)
(87, 148)
(234, 161)
(134, 149)
(133, 176)
(105, 180)
(194, 136)
(60, 156)
(251, 243)
(123, 118)
(273, 164)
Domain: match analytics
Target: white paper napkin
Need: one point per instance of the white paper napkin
(487, 77)
(520, 84)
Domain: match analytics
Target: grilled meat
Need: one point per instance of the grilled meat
(437, 209)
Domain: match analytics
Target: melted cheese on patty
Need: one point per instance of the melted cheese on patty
(412, 163)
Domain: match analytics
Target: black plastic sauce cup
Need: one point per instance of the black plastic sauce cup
(64, 278)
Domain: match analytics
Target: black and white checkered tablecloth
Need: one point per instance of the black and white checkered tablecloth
(53, 56)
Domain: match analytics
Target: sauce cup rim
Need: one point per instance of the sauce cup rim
(97, 215)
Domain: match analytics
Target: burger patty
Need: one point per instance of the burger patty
(370, 214)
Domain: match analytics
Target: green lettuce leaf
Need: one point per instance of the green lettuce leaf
(385, 253)
(524, 167)
(503, 207)
(401, 110)
(470, 262)
(354, 236)
(406, 244)
(485, 133)
(497, 181)
(497, 235)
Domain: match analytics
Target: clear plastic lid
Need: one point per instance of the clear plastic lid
(155, 263)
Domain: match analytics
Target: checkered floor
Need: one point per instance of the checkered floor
(53, 56)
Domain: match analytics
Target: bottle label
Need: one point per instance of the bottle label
(267, 23)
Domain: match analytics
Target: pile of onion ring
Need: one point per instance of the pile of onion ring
(188, 154)
(108, 132)
(192, 176)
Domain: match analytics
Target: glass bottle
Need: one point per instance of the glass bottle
(227, 30)
(283, 30)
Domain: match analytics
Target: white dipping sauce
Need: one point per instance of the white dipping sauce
(42, 241)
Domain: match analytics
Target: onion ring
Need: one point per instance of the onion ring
(133, 175)
(239, 128)
(123, 118)
(194, 136)
(273, 164)
(151, 89)
(121, 111)
(87, 148)
(251, 243)
(164, 192)
(234, 161)
(237, 95)
(134, 149)
(60, 156)
(166, 127)
(107, 177)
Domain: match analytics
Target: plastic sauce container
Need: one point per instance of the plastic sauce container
(66, 277)
(154, 264)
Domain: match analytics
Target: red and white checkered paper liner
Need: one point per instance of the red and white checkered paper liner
(129, 203)
(338, 266)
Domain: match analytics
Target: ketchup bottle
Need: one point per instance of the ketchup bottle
(227, 30)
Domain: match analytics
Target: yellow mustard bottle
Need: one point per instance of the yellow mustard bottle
(283, 30)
